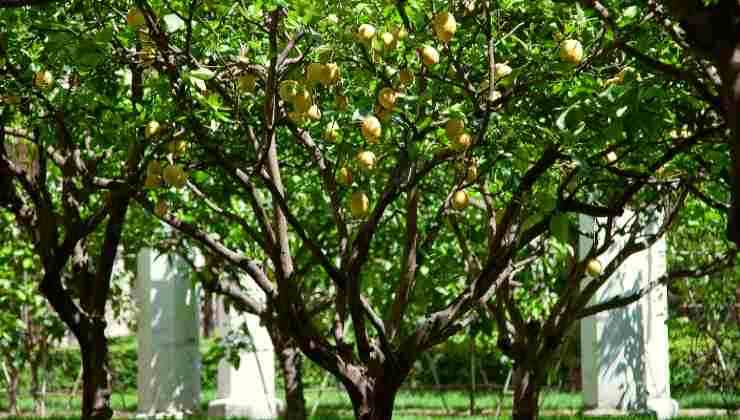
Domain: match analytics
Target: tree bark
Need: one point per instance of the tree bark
(207, 314)
(291, 363)
(96, 384)
(21, 3)
(526, 393)
(712, 31)
(373, 399)
(730, 69)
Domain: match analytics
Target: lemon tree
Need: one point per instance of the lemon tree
(386, 173)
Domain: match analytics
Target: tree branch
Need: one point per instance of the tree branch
(714, 267)
(251, 267)
(21, 3)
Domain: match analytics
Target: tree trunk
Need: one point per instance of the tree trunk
(730, 69)
(526, 394)
(35, 388)
(291, 364)
(207, 314)
(471, 342)
(96, 386)
(373, 400)
(14, 375)
(38, 385)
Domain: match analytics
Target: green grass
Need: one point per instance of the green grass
(412, 417)
(455, 400)
(506, 417)
(552, 400)
(410, 404)
(708, 400)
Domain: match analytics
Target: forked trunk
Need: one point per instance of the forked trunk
(373, 400)
(96, 386)
(291, 363)
(526, 394)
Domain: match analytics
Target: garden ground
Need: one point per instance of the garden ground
(416, 404)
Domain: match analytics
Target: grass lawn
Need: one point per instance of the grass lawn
(489, 417)
(420, 417)
(410, 404)
(458, 400)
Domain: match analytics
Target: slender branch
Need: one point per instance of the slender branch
(21, 3)
(251, 267)
(330, 184)
(401, 7)
(312, 245)
(714, 267)
(249, 230)
(409, 264)
(664, 68)
(288, 48)
(632, 246)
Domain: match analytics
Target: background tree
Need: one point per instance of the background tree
(217, 280)
(706, 309)
(29, 328)
(700, 42)
(66, 124)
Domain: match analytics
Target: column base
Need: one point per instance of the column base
(663, 408)
(161, 415)
(257, 410)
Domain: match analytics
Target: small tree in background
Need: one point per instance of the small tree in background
(27, 324)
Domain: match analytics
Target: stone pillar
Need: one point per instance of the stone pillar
(117, 322)
(168, 354)
(624, 351)
(248, 391)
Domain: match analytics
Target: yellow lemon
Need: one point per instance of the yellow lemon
(387, 98)
(571, 51)
(371, 129)
(429, 56)
(359, 204)
(366, 159)
(460, 200)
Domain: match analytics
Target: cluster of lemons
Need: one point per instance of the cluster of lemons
(445, 26)
(137, 21)
(304, 107)
(299, 94)
(165, 173)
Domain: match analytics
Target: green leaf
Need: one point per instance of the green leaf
(173, 23)
(560, 227)
(202, 73)
(622, 110)
(561, 122)
(629, 15)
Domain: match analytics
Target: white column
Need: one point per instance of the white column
(117, 322)
(248, 391)
(168, 354)
(624, 351)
